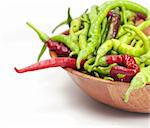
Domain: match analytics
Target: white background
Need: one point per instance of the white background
(47, 98)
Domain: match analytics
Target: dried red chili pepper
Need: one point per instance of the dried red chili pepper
(140, 16)
(115, 21)
(125, 72)
(64, 62)
(120, 73)
(60, 49)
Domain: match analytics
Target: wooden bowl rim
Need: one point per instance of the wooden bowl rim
(94, 78)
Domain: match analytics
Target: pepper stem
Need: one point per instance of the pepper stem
(44, 37)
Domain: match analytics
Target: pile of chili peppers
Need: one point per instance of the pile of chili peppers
(109, 41)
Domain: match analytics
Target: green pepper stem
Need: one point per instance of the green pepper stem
(59, 25)
(44, 37)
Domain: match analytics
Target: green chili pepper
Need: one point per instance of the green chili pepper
(95, 26)
(139, 44)
(88, 62)
(67, 40)
(142, 65)
(145, 56)
(75, 25)
(68, 21)
(143, 37)
(147, 62)
(129, 14)
(121, 31)
(41, 52)
(92, 14)
(124, 14)
(128, 37)
(105, 33)
(84, 33)
(112, 52)
(108, 78)
(139, 81)
(104, 70)
(138, 60)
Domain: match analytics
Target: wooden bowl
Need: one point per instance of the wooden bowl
(111, 93)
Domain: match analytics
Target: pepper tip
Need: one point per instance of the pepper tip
(16, 70)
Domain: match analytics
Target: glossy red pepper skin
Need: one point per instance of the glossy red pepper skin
(129, 70)
(63, 62)
(140, 16)
(59, 48)
(128, 73)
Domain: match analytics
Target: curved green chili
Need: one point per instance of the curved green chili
(68, 21)
(147, 62)
(104, 70)
(139, 81)
(84, 33)
(67, 40)
(75, 25)
(124, 14)
(143, 37)
(95, 30)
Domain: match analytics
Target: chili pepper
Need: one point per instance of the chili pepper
(108, 78)
(140, 16)
(143, 37)
(124, 14)
(92, 14)
(68, 41)
(142, 65)
(60, 49)
(147, 62)
(84, 33)
(121, 31)
(138, 60)
(139, 44)
(63, 62)
(122, 74)
(114, 25)
(139, 81)
(95, 26)
(68, 21)
(145, 56)
(128, 37)
(75, 25)
(104, 70)
(126, 73)
(106, 22)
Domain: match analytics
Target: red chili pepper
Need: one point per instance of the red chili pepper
(60, 49)
(120, 73)
(64, 62)
(140, 16)
(115, 19)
